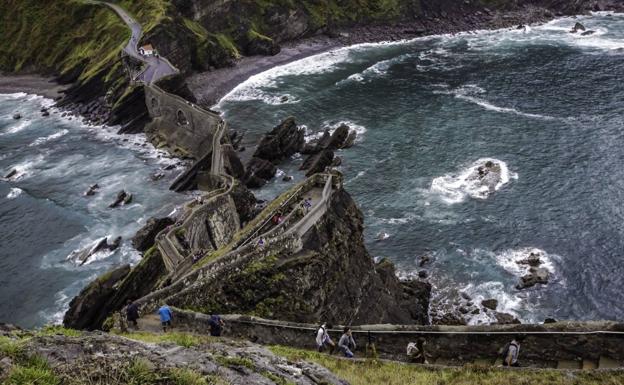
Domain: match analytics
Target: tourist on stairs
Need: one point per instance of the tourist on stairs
(323, 340)
(512, 351)
(132, 313)
(165, 317)
(346, 343)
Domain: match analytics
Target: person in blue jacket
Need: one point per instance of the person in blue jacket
(166, 316)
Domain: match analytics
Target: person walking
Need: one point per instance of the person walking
(346, 343)
(323, 340)
(511, 352)
(166, 316)
(216, 325)
(132, 314)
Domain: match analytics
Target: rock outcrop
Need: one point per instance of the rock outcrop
(321, 153)
(144, 238)
(281, 142)
(97, 358)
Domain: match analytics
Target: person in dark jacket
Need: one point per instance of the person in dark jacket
(347, 343)
(216, 325)
(132, 313)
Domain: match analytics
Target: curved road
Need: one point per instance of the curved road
(156, 67)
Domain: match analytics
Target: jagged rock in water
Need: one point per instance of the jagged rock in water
(17, 116)
(535, 276)
(491, 303)
(83, 256)
(89, 304)
(122, 198)
(258, 172)
(144, 238)
(282, 142)
(92, 190)
(534, 259)
(232, 163)
(318, 163)
(11, 174)
(577, 27)
(451, 319)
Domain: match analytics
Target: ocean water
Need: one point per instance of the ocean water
(545, 104)
(44, 215)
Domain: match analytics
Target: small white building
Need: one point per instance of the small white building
(147, 50)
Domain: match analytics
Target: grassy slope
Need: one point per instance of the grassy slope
(59, 36)
(390, 373)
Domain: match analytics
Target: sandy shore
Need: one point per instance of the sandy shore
(31, 84)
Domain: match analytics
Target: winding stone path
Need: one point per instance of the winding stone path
(155, 67)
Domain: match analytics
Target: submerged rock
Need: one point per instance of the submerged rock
(17, 116)
(83, 255)
(11, 174)
(587, 33)
(92, 190)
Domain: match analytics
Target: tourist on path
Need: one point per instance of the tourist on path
(347, 343)
(323, 340)
(216, 325)
(166, 316)
(416, 351)
(512, 351)
(132, 313)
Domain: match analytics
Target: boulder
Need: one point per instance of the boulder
(258, 172)
(534, 259)
(491, 303)
(17, 116)
(535, 276)
(287, 178)
(144, 238)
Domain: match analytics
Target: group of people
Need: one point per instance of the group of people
(415, 350)
(215, 323)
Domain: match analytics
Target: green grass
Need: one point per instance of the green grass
(12, 348)
(187, 377)
(235, 361)
(186, 340)
(51, 330)
(33, 372)
(372, 372)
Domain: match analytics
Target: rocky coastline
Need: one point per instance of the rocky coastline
(107, 294)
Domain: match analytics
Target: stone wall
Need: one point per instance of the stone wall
(179, 125)
(543, 346)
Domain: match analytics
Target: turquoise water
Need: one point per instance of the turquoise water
(44, 215)
(546, 104)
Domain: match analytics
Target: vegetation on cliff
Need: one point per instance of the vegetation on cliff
(74, 39)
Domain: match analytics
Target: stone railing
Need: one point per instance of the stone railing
(544, 345)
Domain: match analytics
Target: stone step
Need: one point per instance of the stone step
(608, 363)
(589, 364)
(569, 364)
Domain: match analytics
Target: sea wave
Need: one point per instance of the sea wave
(331, 126)
(455, 188)
(507, 302)
(469, 93)
(14, 193)
(48, 138)
(19, 126)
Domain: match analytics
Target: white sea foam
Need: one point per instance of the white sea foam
(376, 70)
(469, 93)
(22, 124)
(456, 188)
(507, 303)
(51, 137)
(16, 95)
(14, 193)
(509, 259)
(331, 126)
